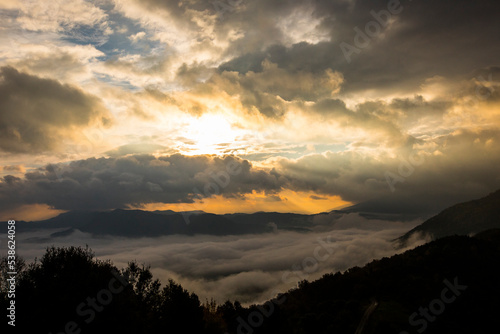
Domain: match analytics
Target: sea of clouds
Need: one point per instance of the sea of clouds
(248, 268)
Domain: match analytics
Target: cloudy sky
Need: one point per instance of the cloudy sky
(247, 105)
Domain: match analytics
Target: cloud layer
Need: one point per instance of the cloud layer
(248, 268)
(106, 183)
(424, 177)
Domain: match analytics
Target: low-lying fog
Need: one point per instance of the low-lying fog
(249, 268)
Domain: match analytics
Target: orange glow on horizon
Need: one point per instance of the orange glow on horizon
(30, 212)
(286, 201)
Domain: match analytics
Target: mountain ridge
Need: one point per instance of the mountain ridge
(401, 286)
(139, 223)
(464, 218)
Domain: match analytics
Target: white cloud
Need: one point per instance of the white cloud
(136, 37)
(301, 26)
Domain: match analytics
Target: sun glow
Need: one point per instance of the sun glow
(210, 134)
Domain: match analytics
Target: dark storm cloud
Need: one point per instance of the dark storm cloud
(424, 39)
(36, 114)
(97, 184)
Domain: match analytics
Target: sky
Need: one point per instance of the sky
(247, 105)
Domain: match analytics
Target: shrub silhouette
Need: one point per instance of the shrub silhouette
(64, 287)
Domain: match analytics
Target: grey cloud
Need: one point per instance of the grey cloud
(13, 168)
(270, 90)
(62, 64)
(414, 47)
(457, 167)
(256, 19)
(419, 105)
(422, 42)
(36, 114)
(373, 116)
(107, 183)
(190, 75)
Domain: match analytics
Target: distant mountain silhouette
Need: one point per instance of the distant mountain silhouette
(461, 219)
(138, 223)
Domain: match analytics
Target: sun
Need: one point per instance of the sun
(209, 134)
